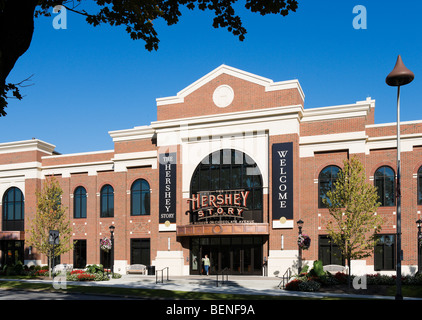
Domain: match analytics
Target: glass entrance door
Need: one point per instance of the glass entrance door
(12, 252)
(240, 255)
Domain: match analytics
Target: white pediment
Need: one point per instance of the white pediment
(269, 84)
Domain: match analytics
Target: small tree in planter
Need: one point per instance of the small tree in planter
(352, 205)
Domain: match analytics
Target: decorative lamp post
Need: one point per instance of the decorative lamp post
(419, 223)
(111, 228)
(400, 76)
(300, 225)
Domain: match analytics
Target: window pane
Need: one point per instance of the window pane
(385, 182)
(10, 211)
(419, 187)
(18, 208)
(327, 179)
(83, 207)
(111, 206)
(136, 203)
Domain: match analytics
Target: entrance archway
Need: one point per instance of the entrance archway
(226, 188)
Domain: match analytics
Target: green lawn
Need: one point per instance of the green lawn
(142, 293)
(408, 291)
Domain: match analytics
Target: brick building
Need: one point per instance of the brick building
(230, 165)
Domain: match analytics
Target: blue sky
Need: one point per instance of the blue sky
(88, 81)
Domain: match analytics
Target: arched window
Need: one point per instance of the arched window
(79, 203)
(326, 180)
(420, 186)
(140, 200)
(107, 201)
(228, 171)
(13, 210)
(385, 183)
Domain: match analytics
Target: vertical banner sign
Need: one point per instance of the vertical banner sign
(167, 191)
(282, 185)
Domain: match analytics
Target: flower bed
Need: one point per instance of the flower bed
(41, 273)
(85, 277)
(310, 282)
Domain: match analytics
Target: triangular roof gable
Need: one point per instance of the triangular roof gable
(269, 84)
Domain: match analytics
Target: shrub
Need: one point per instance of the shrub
(309, 286)
(93, 268)
(18, 268)
(317, 270)
(328, 280)
(293, 285)
(341, 277)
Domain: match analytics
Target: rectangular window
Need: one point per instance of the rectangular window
(79, 254)
(329, 252)
(140, 251)
(385, 253)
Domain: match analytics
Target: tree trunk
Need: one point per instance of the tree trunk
(349, 278)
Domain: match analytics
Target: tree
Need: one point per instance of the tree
(352, 204)
(17, 22)
(50, 215)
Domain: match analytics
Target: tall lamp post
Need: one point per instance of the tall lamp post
(400, 76)
(419, 224)
(111, 228)
(300, 225)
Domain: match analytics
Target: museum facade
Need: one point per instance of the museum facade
(232, 163)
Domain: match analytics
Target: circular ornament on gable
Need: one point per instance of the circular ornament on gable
(223, 96)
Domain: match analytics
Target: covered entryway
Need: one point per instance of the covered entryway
(241, 255)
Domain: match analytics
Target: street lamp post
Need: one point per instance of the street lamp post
(419, 223)
(111, 228)
(400, 76)
(300, 225)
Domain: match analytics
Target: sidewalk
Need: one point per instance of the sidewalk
(249, 285)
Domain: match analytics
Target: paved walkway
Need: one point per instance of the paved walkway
(250, 285)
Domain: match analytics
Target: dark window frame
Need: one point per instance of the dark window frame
(14, 220)
(107, 201)
(80, 203)
(381, 256)
(333, 250)
(381, 178)
(140, 193)
(230, 169)
(419, 194)
(80, 253)
(143, 248)
(329, 180)
(13, 192)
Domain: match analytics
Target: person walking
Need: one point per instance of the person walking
(206, 262)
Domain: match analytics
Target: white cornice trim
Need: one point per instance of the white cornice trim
(140, 132)
(224, 69)
(26, 145)
(358, 109)
(238, 116)
(61, 156)
(393, 124)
